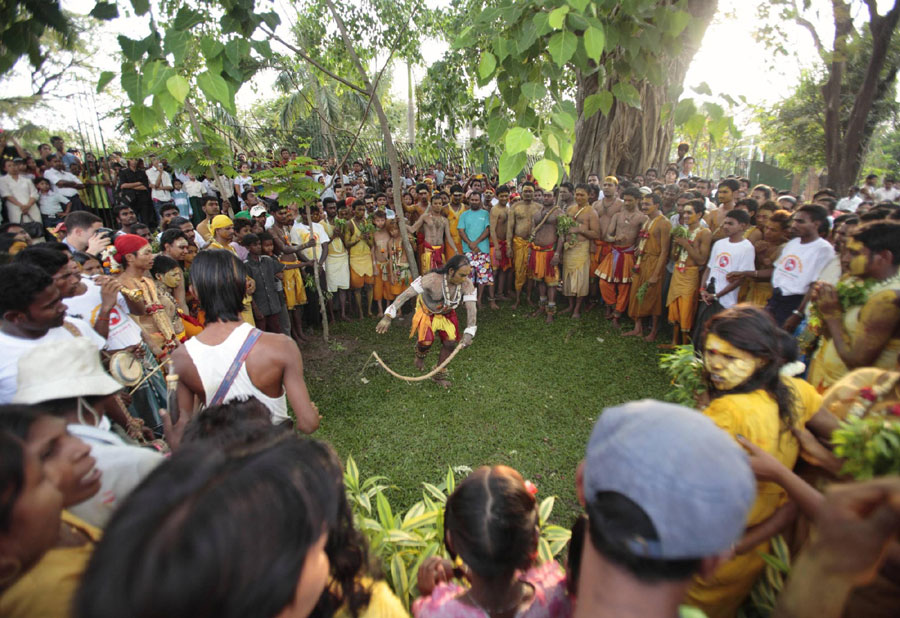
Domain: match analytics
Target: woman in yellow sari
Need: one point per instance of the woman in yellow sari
(744, 352)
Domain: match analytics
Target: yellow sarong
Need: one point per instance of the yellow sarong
(682, 300)
(521, 249)
(576, 269)
(426, 324)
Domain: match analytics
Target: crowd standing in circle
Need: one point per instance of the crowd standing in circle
(127, 492)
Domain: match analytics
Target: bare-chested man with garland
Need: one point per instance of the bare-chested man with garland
(546, 251)
(436, 234)
(439, 292)
(518, 228)
(577, 253)
(501, 256)
(615, 269)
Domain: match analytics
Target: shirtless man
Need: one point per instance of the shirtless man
(500, 256)
(649, 268)
(454, 209)
(615, 269)
(605, 207)
(546, 249)
(577, 254)
(436, 234)
(271, 372)
(726, 195)
(518, 228)
(439, 292)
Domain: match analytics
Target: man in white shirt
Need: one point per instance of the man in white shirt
(801, 261)
(851, 202)
(300, 235)
(66, 183)
(31, 313)
(888, 193)
(19, 194)
(242, 183)
(160, 184)
(731, 254)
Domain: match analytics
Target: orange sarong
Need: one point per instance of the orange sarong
(539, 267)
(425, 324)
(432, 257)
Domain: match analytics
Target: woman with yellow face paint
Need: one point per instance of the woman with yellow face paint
(743, 353)
(866, 335)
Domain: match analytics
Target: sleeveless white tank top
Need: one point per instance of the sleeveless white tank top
(212, 363)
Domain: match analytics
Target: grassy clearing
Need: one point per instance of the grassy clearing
(525, 395)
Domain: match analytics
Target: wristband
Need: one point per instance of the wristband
(391, 312)
(470, 330)
(796, 313)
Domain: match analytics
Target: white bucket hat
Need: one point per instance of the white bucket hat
(62, 370)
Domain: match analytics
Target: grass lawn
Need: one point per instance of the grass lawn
(525, 394)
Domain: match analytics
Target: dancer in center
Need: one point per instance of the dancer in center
(439, 294)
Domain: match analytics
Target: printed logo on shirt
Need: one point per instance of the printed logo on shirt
(724, 260)
(792, 263)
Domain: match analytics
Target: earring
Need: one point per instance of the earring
(85, 405)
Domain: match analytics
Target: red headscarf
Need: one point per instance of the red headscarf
(129, 243)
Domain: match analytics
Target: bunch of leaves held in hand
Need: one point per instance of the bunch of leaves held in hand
(642, 291)
(564, 223)
(685, 368)
(681, 231)
(869, 446)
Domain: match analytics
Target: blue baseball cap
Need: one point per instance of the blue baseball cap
(691, 478)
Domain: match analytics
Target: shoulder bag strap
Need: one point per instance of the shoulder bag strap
(236, 364)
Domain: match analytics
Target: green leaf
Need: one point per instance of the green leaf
(527, 37)
(558, 17)
(518, 140)
(562, 47)
(105, 10)
(216, 88)
(105, 78)
(703, 88)
(564, 120)
(211, 47)
(271, 19)
(714, 110)
(487, 65)
(352, 470)
(166, 103)
(535, 91)
(131, 84)
(131, 49)
(437, 493)
(236, 50)
(684, 110)
(541, 22)
(140, 6)
(496, 127)
(579, 5)
(546, 172)
(678, 21)
(627, 93)
(545, 509)
(187, 18)
(155, 75)
(465, 38)
(594, 42)
(450, 481)
(143, 117)
(399, 577)
(545, 554)
(179, 87)
(176, 43)
(385, 515)
(511, 165)
(262, 48)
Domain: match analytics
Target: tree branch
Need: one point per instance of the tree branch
(802, 21)
(297, 51)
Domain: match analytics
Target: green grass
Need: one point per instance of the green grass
(525, 394)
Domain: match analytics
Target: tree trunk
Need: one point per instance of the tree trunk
(845, 146)
(323, 308)
(410, 108)
(629, 140)
(393, 159)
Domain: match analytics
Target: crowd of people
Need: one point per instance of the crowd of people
(152, 388)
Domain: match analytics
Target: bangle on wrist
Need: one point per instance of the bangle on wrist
(797, 313)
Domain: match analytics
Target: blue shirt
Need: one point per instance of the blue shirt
(474, 222)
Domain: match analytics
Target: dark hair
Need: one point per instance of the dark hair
(139, 226)
(12, 475)
(876, 214)
(229, 424)
(220, 280)
(741, 216)
(492, 518)
(162, 264)
(458, 189)
(731, 183)
(455, 263)
(653, 197)
(581, 185)
(167, 207)
(612, 519)
(210, 198)
(83, 258)
(50, 261)
(240, 223)
(764, 189)
(633, 192)
(328, 200)
(20, 284)
(750, 204)
(176, 223)
(753, 330)
(117, 210)
(265, 236)
(421, 187)
(877, 237)
(80, 220)
(170, 236)
(249, 239)
(818, 214)
(178, 533)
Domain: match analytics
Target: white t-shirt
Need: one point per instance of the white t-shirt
(242, 182)
(728, 257)
(194, 188)
(159, 194)
(15, 347)
(300, 236)
(54, 176)
(52, 203)
(20, 188)
(124, 332)
(887, 195)
(850, 204)
(799, 265)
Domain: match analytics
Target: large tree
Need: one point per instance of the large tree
(859, 73)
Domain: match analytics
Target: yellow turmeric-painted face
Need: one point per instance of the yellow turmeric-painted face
(172, 279)
(728, 366)
(859, 261)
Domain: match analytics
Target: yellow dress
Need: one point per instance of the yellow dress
(826, 366)
(453, 220)
(294, 288)
(383, 603)
(47, 589)
(754, 416)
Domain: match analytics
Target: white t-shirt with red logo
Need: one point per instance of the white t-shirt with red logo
(728, 257)
(124, 332)
(799, 265)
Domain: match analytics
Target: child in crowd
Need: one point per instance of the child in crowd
(53, 205)
(491, 523)
(267, 244)
(381, 258)
(181, 199)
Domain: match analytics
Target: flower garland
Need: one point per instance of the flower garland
(681, 257)
(868, 396)
(643, 236)
(852, 292)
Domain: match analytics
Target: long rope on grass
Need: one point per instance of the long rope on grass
(416, 378)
